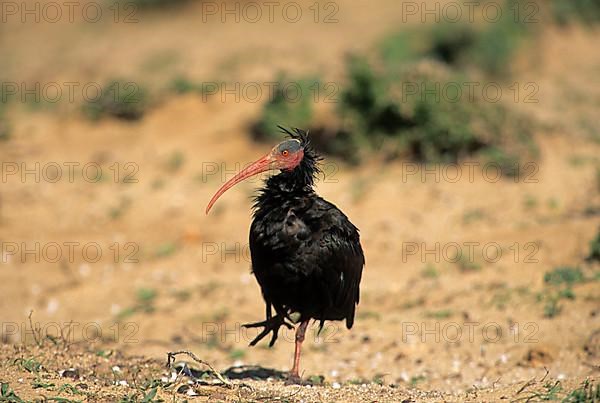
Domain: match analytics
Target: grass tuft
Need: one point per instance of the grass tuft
(564, 275)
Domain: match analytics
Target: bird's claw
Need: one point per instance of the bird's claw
(277, 320)
(270, 325)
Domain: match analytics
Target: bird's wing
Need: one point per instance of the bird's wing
(335, 249)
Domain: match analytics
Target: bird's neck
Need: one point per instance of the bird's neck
(287, 183)
(283, 188)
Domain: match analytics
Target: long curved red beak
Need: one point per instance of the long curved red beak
(262, 165)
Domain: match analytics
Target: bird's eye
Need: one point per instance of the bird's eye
(285, 153)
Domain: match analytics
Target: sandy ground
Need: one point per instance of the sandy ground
(429, 328)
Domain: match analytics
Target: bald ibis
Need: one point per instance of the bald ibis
(306, 254)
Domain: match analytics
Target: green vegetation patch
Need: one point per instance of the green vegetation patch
(594, 255)
(559, 284)
(487, 45)
(569, 11)
(121, 99)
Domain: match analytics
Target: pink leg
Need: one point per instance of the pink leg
(300, 331)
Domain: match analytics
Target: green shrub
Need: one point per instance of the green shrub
(567, 11)
(445, 42)
(403, 47)
(423, 112)
(450, 42)
(120, 99)
(495, 45)
(594, 255)
(367, 112)
(488, 47)
(439, 130)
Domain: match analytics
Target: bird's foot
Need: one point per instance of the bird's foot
(270, 325)
(294, 379)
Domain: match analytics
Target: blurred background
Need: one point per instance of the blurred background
(462, 138)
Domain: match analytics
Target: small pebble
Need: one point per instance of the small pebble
(85, 270)
(115, 309)
(52, 306)
(69, 373)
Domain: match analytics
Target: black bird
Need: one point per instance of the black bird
(306, 254)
